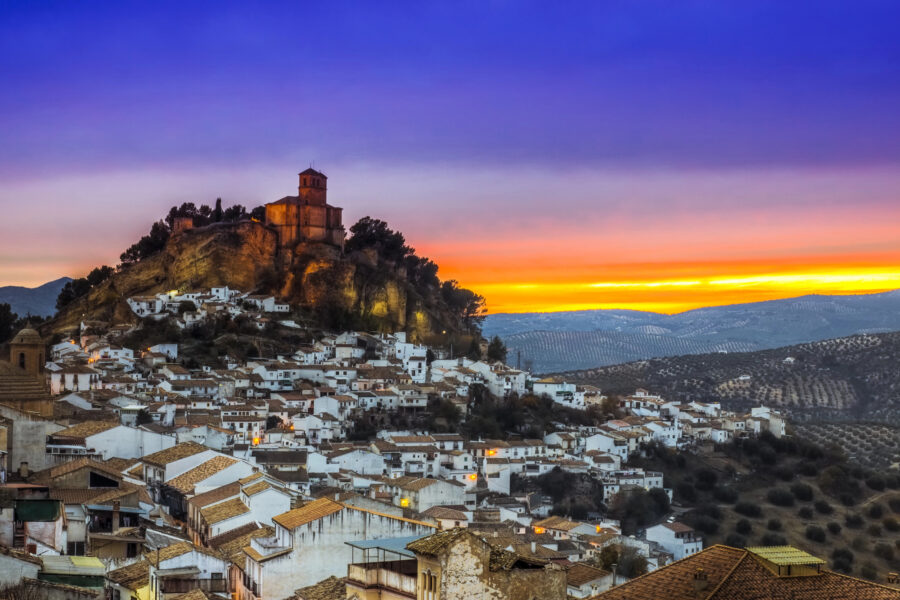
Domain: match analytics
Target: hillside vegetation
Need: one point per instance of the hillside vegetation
(770, 491)
(854, 378)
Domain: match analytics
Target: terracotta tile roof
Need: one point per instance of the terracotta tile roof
(217, 495)
(558, 523)
(86, 429)
(176, 452)
(580, 574)
(176, 550)
(250, 478)
(196, 594)
(224, 511)
(185, 482)
(132, 577)
(47, 475)
(257, 488)
(733, 574)
(307, 513)
(333, 588)
(442, 512)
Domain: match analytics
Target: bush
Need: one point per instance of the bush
(875, 511)
(894, 503)
(706, 524)
(802, 492)
(842, 560)
(891, 524)
(735, 541)
(783, 473)
(834, 528)
(725, 494)
(705, 479)
(805, 513)
(780, 497)
(847, 499)
(875, 483)
(686, 492)
(823, 507)
(884, 551)
(744, 527)
(807, 468)
(773, 539)
(853, 521)
(868, 571)
(874, 530)
(748, 509)
(774, 525)
(860, 543)
(816, 534)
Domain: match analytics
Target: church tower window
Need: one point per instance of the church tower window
(22, 360)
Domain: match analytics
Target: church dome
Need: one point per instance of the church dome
(28, 336)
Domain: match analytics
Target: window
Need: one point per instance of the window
(21, 360)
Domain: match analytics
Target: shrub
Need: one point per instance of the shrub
(783, 473)
(773, 539)
(875, 483)
(868, 571)
(853, 521)
(705, 479)
(736, 541)
(805, 513)
(860, 543)
(816, 534)
(706, 524)
(725, 494)
(894, 503)
(891, 524)
(686, 492)
(884, 551)
(847, 499)
(748, 509)
(834, 528)
(874, 530)
(807, 468)
(802, 492)
(743, 527)
(780, 497)
(875, 511)
(823, 507)
(842, 560)
(774, 525)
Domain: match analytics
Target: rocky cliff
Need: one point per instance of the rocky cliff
(327, 286)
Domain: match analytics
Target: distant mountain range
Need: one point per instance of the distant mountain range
(565, 341)
(38, 301)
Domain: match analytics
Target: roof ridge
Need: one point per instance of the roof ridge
(671, 564)
(727, 575)
(861, 580)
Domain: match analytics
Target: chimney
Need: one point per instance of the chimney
(893, 579)
(115, 516)
(701, 581)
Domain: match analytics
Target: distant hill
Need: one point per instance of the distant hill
(583, 339)
(38, 301)
(849, 379)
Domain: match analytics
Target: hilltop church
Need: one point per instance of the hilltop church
(307, 216)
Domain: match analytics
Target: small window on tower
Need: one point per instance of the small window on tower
(22, 360)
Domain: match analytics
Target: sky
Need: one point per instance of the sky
(651, 155)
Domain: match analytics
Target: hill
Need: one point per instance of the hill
(332, 289)
(584, 339)
(37, 301)
(845, 379)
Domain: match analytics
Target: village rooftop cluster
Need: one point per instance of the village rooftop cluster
(155, 481)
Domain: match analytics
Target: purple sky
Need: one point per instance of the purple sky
(451, 120)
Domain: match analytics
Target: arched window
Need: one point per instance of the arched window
(22, 360)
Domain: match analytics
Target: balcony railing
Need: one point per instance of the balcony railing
(379, 575)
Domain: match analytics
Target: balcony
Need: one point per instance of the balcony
(396, 576)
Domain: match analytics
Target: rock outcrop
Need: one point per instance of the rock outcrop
(246, 256)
